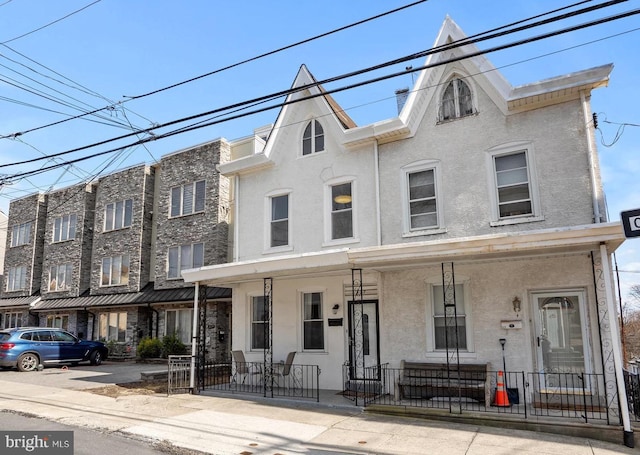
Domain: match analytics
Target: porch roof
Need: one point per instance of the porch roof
(148, 295)
(495, 246)
(19, 302)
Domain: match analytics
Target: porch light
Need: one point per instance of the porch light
(516, 304)
(335, 308)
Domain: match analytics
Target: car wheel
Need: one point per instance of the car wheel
(95, 358)
(28, 362)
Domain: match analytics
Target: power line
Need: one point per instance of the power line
(323, 93)
(273, 96)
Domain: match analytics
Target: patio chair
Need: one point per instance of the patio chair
(283, 375)
(243, 368)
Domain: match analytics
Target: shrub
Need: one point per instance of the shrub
(171, 345)
(149, 348)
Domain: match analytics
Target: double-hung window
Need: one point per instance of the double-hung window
(21, 234)
(450, 318)
(113, 326)
(60, 277)
(184, 257)
(58, 321)
(513, 184)
(115, 270)
(259, 323)
(64, 228)
(279, 221)
(313, 322)
(17, 278)
(313, 138)
(118, 215)
(187, 199)
(179, 323)
(456, 100)
(341, 211)
(423, 204)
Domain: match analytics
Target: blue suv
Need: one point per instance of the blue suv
(28, 347)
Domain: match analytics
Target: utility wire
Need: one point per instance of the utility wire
(340, 89)
(413, 56)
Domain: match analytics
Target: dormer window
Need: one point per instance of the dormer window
(313, 138)
(456, 100)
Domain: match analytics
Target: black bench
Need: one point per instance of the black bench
(419, 380)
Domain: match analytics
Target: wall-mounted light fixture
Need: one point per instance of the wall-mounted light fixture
(335, 308)
(516, 304)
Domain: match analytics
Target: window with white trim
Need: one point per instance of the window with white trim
(341, 211)
(60, 277)
(64, 228)
(187, 199)
(423, 205)
(113, 326)
(17, 278)
(312, 321)
(259, 323)
(118, 215)
(313, 138)
(512, 185)
(450, 324)
(58, 321)
(12, 319)
(179, 323)
(456, 100)
(279, 223)
(115, 271)
(184, 257)
(21, 234)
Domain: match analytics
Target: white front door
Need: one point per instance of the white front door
(561, 337)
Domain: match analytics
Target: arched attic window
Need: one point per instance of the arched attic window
(456, 100)
(313, 138)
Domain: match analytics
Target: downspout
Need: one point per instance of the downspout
(194, 340)
(236, 230)
(376, 165)
(93, 323)
(592, 158)
(151, 320)
(615, 341)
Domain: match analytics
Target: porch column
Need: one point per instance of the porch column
(194, 339)
(610, 340)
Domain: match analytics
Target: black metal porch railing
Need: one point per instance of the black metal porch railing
(296, 381)
(632, 386)
(568, 395)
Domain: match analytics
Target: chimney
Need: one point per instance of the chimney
(401, 97)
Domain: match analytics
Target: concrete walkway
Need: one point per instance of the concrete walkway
(232, 426)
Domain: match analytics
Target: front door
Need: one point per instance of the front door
(561, 335)
(363, 340)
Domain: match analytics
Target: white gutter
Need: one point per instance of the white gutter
(615, 340)
(194, 339)
(592, 159)
(376, 165)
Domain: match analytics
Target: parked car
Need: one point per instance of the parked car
(28, 347)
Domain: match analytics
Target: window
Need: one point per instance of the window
(21, 234)
(11, 320)
(179, 323)
(456, 100)
(259, 323)
(17, 278)
(446, 320)
(341, 211)
(113, 326)
(313, 138)
(115, 270)
(64, 228)
(312, 324)
(60, 277)
(58, 321)
(279, 221)
(512, 185)
(118, 215)
(187, 199)
(185, 257)
(423, 211)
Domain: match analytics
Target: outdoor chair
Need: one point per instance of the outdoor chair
(244, 369)
(283, 376)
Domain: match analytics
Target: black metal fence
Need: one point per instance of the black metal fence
(275, 380)
(568, 395)
(632, 385)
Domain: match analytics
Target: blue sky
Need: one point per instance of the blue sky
(119, 48)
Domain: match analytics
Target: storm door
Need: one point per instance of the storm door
(363, 339)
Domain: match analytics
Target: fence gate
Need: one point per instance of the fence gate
(179, 374)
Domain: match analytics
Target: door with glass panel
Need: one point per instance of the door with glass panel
(363, 340)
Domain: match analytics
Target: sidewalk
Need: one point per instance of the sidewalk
(223, 426)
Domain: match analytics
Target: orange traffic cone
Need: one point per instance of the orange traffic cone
(501, 399)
